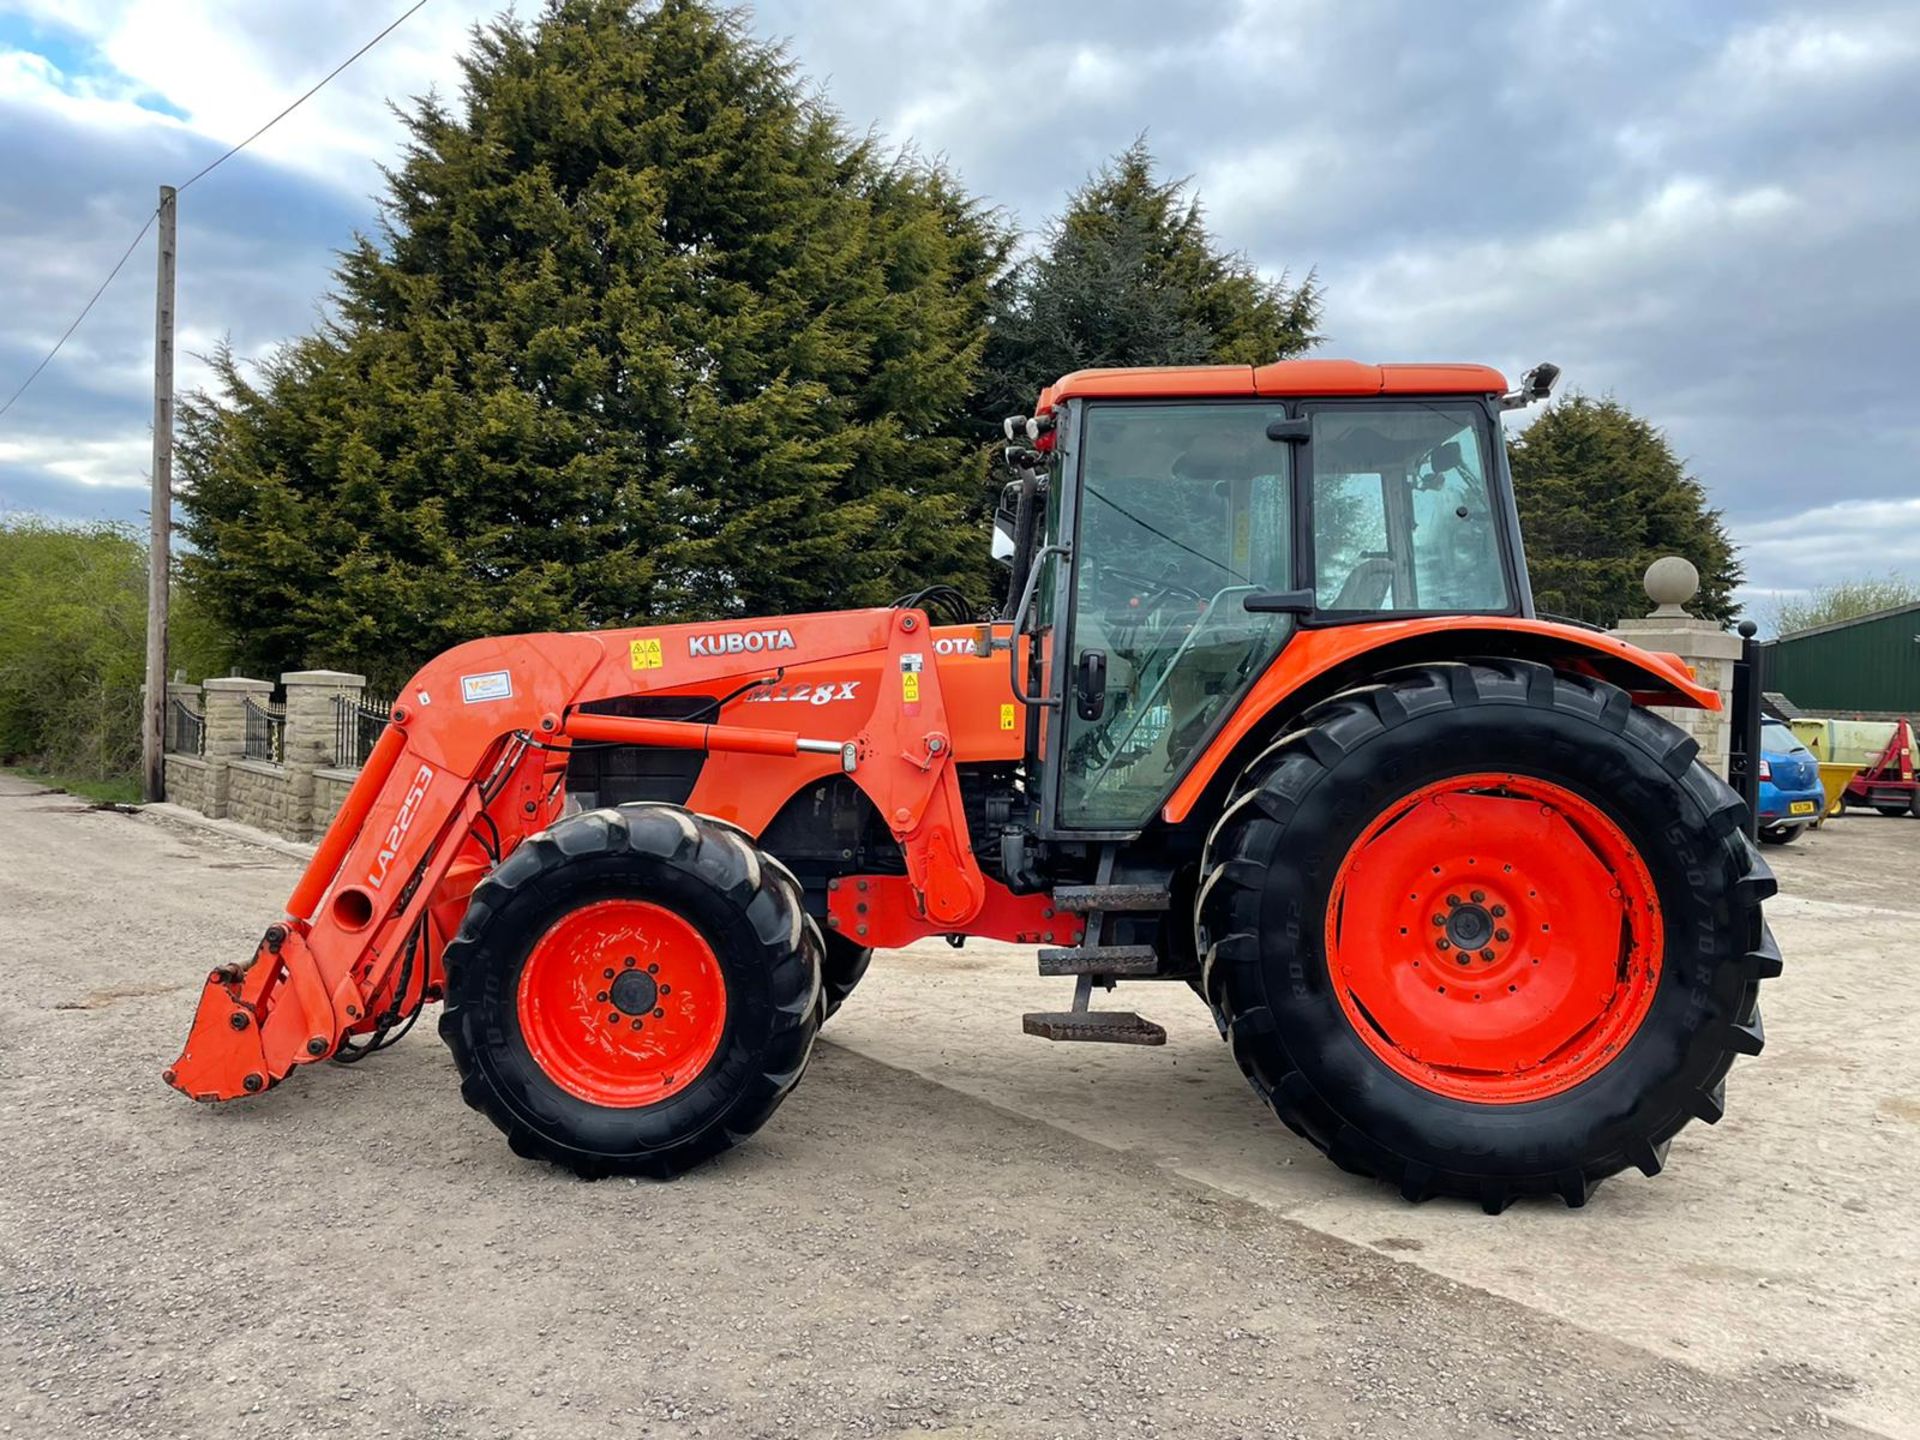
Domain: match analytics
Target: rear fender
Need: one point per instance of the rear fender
(1319, 662)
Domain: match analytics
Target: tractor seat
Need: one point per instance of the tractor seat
(1366, 586)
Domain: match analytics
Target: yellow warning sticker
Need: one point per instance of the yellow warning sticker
(645, 654)
(1007, 717)
(910, 686)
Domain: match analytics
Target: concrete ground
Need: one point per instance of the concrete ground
(950, 1228)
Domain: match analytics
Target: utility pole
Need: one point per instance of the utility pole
(160, 533)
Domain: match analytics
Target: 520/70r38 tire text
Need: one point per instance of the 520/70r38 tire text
(632, 991)
(1486, 930)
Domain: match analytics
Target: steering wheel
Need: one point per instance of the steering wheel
(1143, 613)
(1146, 587)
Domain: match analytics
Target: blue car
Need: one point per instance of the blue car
(1790, 795)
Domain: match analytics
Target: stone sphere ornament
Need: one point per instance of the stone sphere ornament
(1670, 582)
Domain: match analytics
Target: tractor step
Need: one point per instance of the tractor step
(1117, 960)
(1087, 898)
(1112, 1027)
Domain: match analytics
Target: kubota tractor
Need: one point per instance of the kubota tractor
(1269, 715)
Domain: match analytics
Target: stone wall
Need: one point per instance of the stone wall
(260, 795)
(187, 781)
(329, 794)
(295, 799)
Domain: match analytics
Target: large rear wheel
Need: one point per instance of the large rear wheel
(1486, 930)
(632, 991)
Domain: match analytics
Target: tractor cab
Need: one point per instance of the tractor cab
(1188, 523)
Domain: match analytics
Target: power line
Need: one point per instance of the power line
(127, 254)
(321, 85)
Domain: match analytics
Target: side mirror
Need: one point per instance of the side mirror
(1002, 549)
(1090, 686)
(1535, 386)
(1005, 520)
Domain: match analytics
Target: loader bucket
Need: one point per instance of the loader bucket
(256, 1022)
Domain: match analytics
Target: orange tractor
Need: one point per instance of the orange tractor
(1269, 714)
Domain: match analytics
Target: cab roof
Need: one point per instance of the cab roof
(1282, 377)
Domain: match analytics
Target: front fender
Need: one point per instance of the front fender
(1317, 661)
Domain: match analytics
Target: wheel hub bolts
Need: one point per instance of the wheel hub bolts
(634, 993)
(1469, 927)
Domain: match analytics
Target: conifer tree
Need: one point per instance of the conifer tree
(645, 334)
(1129, 275)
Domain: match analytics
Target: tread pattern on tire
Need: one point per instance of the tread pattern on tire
(707, 852)
(1250, 838)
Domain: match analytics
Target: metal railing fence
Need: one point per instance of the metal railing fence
(266, 731)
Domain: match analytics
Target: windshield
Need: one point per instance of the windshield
(1778, 738)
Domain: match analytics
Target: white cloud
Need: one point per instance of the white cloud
(231, 65)
(101, 102)
(1847, 539)
(1816, 51)
(121, 462)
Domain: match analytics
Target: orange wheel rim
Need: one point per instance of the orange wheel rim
(1494, 938)
(622, 1003)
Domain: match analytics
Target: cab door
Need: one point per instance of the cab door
(1177, 512)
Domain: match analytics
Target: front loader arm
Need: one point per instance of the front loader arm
(473, 762)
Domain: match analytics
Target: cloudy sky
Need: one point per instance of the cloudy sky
(1710, 210)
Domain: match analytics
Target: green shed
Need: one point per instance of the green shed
(1869, 664)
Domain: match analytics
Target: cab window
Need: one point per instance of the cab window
(1403, 518)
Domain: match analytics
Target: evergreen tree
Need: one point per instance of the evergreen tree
(1129, 275)
(645, 335)
(1601, 497)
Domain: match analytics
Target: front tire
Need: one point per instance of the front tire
(1780, 834)
(842, 965)
(632, 991)
(1378, 925)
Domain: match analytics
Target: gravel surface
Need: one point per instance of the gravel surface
(1784, 1235)
(358, 1252)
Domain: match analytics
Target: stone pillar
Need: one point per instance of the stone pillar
(1703, 644)
(225, 709)
(176, 690)
(310, 738)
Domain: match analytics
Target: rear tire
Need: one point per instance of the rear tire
(1446, 1115)
(1893, 812)
(589, 1072)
